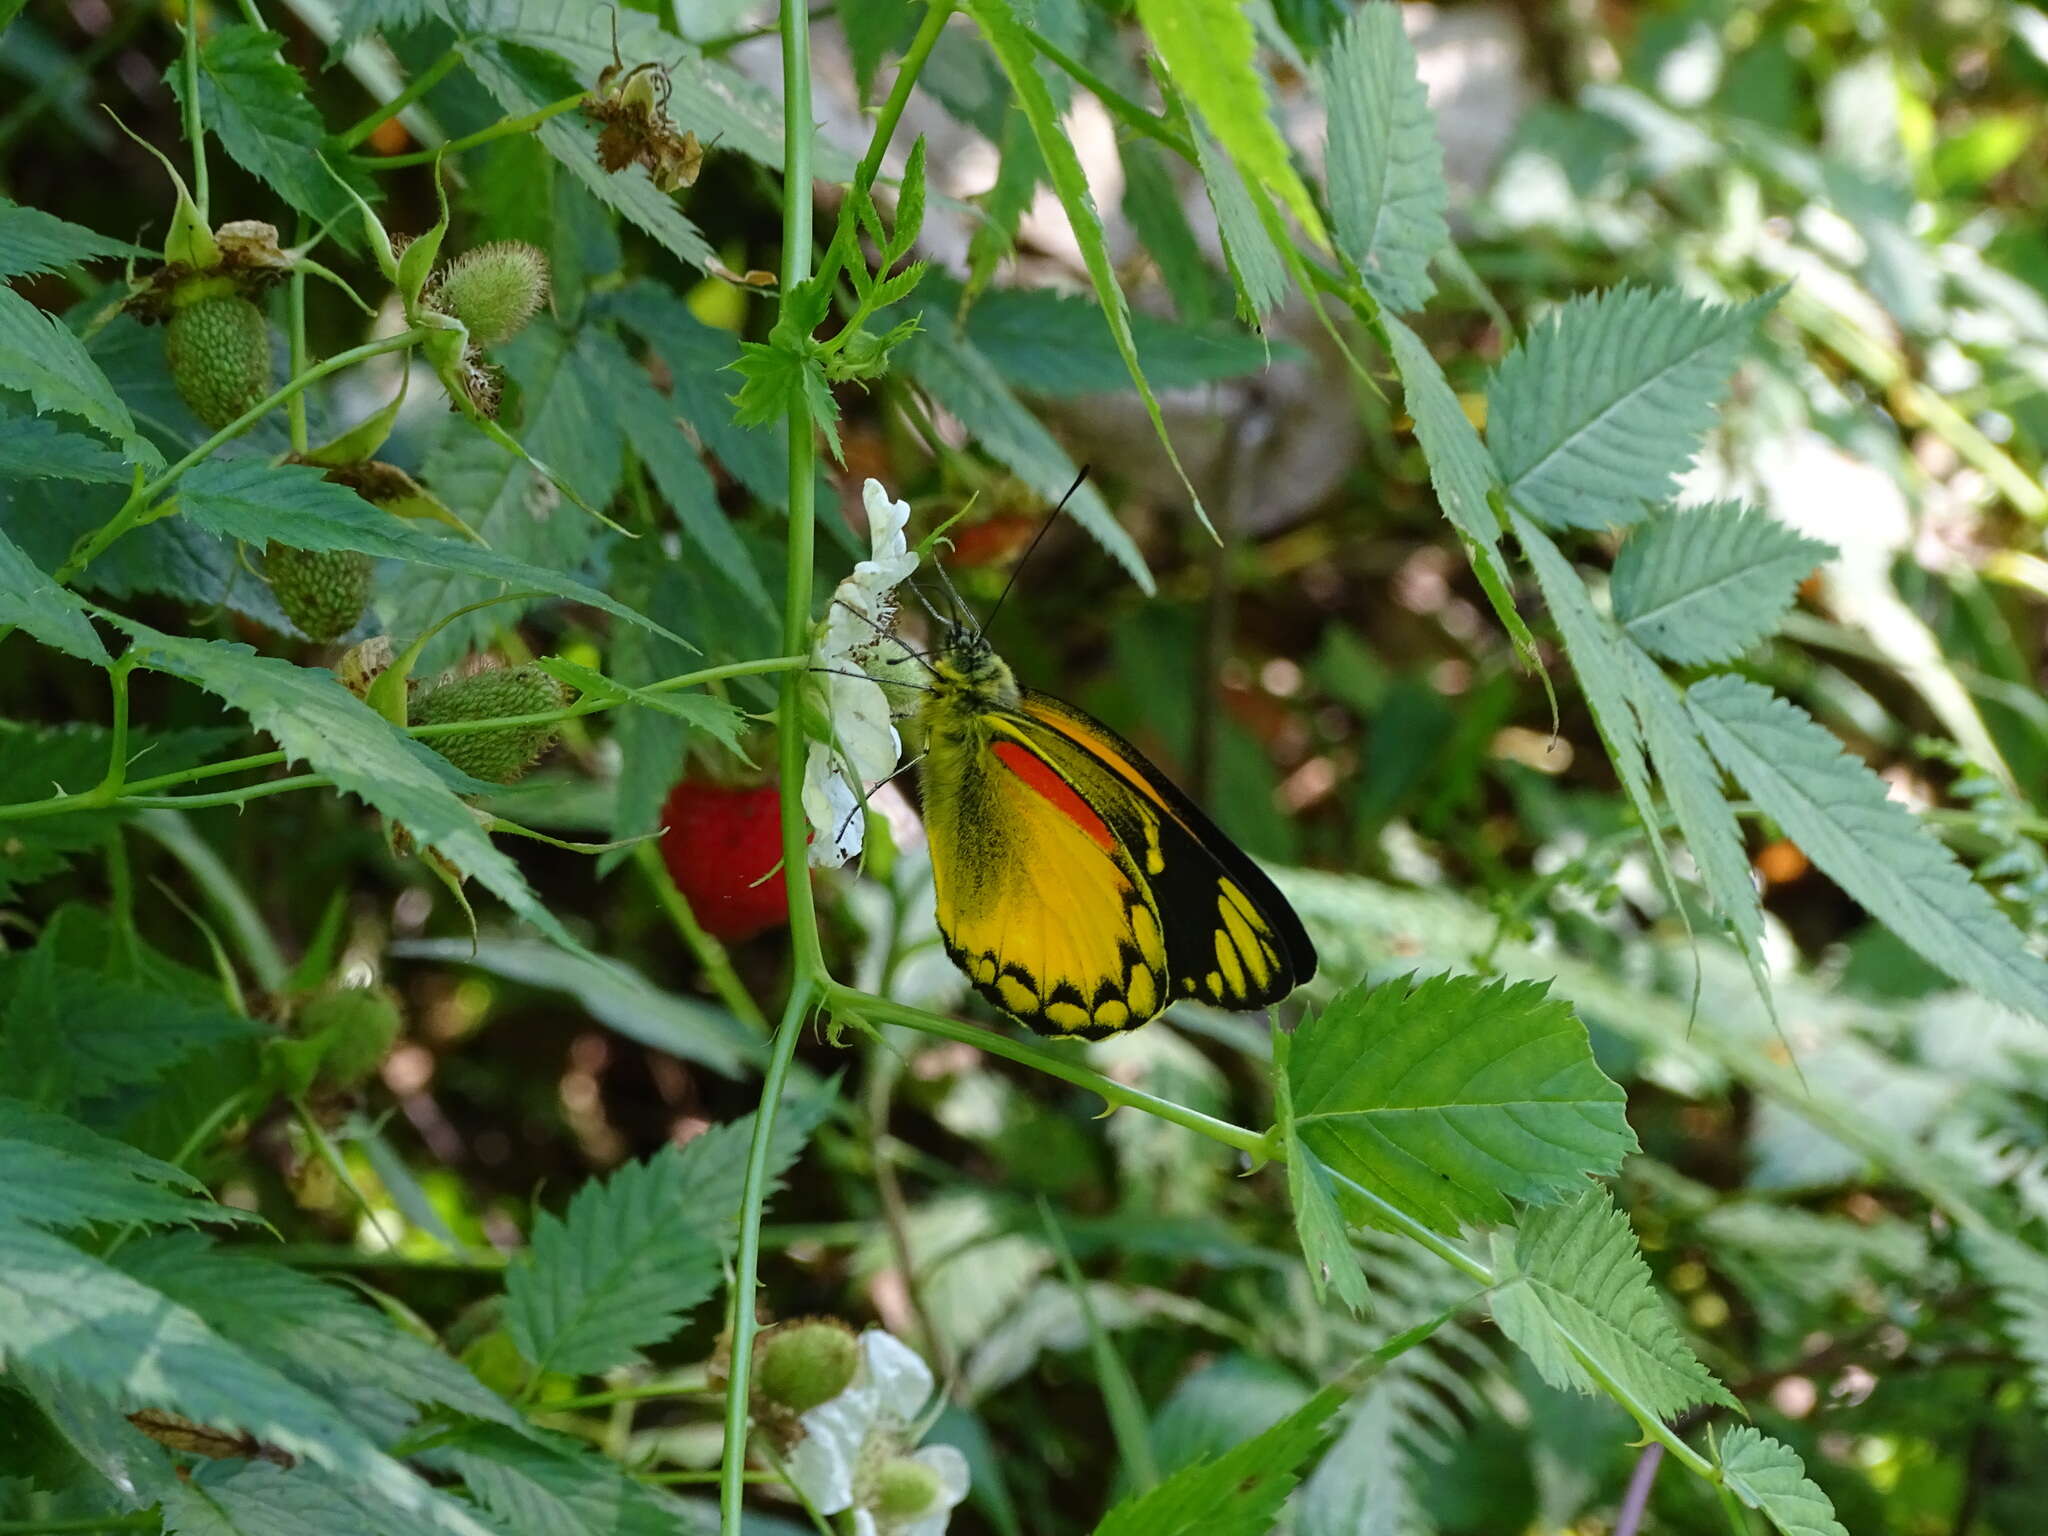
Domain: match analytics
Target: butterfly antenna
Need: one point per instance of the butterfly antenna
(1043, 528)
(964, 615)
(925, 603)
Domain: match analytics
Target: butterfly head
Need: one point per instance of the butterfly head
(967, 678)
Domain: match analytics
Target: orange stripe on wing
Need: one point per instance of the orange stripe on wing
(1036, 773)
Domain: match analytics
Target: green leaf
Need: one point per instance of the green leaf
(611, 993)
(617, 1271)
(1003, 205)
(55, 1173)
(1318, 1222)
(1238, 1493)
(31, 600)
(78, 1320)
(1047, 343)
(547, 1485)
(257, 1498)
(34, 449)
(1254, 261)
(313, 1331)
(1704, 584)
(1386, 168)
(705, 712)
(566, 418)
(1692, 786)
(1770, 1477)
(1597, 410)
(316, 720)
(959, 378)
(1580, 1299)
(1209, 49)
(523, 80)
(33, 241)
(89, 1032)
(652, 426)
(1011, 44)
(296, 504)
(711, 1171)
(1840, 815)
(1152, 204)
(778, 381)
(1452, 1096)
(1599, 660)
(38, 355)
(696, 357)
(1460, 469)
(262, 111)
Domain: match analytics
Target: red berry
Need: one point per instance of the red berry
(722, 847)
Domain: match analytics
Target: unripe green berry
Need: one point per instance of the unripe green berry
(219, 353)
(904, 1489)
(322, 591)
(806, 1363)
(494, 290)
(502, 755)
(357, 1027)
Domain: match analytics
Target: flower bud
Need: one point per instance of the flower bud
(494, 290)
(356, 1028)
(803, 1364)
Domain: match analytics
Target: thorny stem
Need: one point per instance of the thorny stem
(747, 1260)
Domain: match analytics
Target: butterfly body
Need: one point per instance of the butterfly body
(1078, 890)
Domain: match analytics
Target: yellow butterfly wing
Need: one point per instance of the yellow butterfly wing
(1232, 940)
(1037, 903)
(1081, 892)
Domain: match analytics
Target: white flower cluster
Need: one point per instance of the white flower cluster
(856, 1449)
(864, 745)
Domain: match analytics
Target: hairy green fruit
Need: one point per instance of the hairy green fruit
(219, 352)
(803, 1364)
(497, 756)
(904, 1489)
(494, 290)
(355, 1028)
(322, 591)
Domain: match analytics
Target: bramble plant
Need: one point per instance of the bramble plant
(395, 1153)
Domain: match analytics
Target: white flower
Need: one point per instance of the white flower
(848, 1440)
(864, 745)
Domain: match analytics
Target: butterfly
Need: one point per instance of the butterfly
(1079, 891)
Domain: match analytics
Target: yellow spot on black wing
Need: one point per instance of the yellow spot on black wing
(1016, 997)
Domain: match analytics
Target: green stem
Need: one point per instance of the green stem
(421, 83)
(1120, 106)
(792, 748)
(194, 131)
(295, 332)
(1049, 1060)
(747, 1262)
(710, 954)
(501, 130)
(625, 1395)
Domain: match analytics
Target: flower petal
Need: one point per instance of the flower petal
(901, 1380)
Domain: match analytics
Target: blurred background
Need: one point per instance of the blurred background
(1327, 679)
